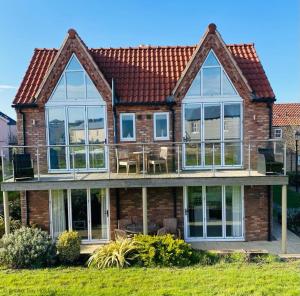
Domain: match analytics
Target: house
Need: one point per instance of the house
(286, 122)
(8, 132)
(147, 133)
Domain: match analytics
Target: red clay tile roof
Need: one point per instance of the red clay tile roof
(286, 114)
(144, 74)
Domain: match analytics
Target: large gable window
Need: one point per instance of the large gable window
(211, 80)
(76, 121)
(75, 84)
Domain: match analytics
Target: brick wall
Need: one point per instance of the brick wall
(160, 206)
(256, 212)
(38, 209)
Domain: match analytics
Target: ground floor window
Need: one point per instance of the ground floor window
(214, 212)
(82, 210)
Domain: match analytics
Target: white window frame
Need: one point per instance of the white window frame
(132, 139)
(222, 103)
(275, 133)
(89, 215)
(156, 138)
(205, 238)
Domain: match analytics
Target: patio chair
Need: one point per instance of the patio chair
(22, 166)
(170, 226)
(124, 160)
(123, 223)
(163, 159)
(120, 234)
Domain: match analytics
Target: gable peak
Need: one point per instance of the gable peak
(72, 33)
(212, 28)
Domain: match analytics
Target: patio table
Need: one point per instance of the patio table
(138, 155)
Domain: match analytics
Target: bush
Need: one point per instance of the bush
(119, 253)
(68, 247)
(164, 251)
(28, 247)
(14, 225)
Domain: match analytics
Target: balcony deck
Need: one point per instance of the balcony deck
(123, 180)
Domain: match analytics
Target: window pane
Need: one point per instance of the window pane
(91, 90)
(227, 86)
(161, 126)
(60, 90)
(211, 81)
(79, 212)
(194, 89)
(232, 153)
(78, 156)
(232, 121)
(76, 125)
(97, 156)
(57, 158)
(192, 115)
(211, 60)
(214, 211)
(98, 214)
(75, 85)
(234, 211)
(212, 122)
(212, 153)
(96, 132)
(74, 64)
(195, 212)
(59, 212)
(56, 119)
(127, 126)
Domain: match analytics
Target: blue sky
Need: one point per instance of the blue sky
(273, 26)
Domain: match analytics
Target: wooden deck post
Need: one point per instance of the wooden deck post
(284, 219)
(6, 212)
(145, 215)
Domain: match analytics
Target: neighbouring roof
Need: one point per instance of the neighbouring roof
(286, 114)
(145, 74)
(9, 120)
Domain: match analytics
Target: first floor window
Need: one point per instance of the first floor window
(213, 134)
(278, 133)
(161, 126)
(127, 124)
(76, 137)
(214, 212)
(82, 210)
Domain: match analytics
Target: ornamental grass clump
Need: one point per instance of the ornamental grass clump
(68, 247)
(120, 253)
(28, 248)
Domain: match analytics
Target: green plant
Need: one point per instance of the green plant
(164, 251)
(28, 247)
(119, 253)
(68, 247)
(14, 224)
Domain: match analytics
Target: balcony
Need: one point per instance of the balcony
(137, 164)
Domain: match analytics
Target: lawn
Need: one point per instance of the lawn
(221, 279)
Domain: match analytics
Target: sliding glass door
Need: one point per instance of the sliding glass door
(81, 210)
(214, 212)
(212, 133)
(76, 137)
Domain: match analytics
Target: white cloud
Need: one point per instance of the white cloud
(7, 86)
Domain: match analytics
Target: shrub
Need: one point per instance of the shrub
(28, 247)
(119, 253)
(164, 251)
(14, 224)
(68, 247)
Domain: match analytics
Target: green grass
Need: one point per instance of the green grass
(230, 279)
(293, 198)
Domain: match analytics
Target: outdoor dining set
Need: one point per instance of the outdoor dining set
(135, 159)
(128, 228)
